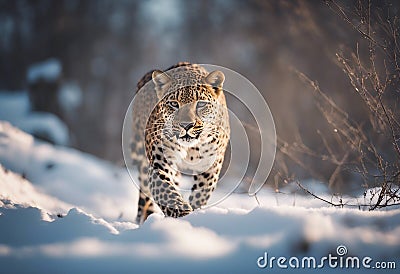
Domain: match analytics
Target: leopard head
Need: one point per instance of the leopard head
(190, 112)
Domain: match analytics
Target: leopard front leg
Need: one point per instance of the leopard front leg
(205, 184)
(145, 203)
(166, 195)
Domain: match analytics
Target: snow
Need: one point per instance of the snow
(15, 108)
(14, 190)
(68, 174)
(48, 70)
(95, 233)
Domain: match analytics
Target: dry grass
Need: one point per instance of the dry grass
(369, 149)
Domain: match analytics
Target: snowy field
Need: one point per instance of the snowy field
(63, 211)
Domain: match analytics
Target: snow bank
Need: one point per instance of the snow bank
(49, 70)
(90, 236)
(15, 190)
(15, 108)
(69, 175)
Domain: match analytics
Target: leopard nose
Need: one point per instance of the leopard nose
(186, 125)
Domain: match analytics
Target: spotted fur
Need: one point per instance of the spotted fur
(187, 131)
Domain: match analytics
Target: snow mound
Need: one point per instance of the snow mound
(15, 108)
(69, 175)
(15, 190)
(48, 70)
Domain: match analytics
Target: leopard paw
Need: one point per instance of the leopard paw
(176, 209)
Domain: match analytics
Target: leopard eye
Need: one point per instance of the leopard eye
(201, 104)
(173, 104)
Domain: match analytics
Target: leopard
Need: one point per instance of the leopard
(180, 125)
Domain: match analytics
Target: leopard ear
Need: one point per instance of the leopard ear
(162, 81)
(216, 80)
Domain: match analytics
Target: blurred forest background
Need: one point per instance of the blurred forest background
(105, 47)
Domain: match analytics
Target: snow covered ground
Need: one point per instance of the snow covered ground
(63, 211)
